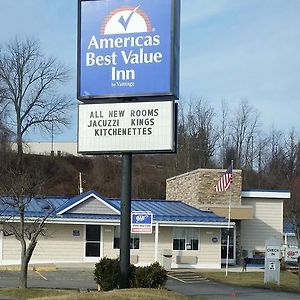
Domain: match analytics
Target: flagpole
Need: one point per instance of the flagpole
(228, 225)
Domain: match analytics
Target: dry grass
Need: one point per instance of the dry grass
(288, 280)
(31, 293)
(130, 294)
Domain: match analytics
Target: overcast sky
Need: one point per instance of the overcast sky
(230, 49)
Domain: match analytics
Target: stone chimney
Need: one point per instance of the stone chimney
(198, 188)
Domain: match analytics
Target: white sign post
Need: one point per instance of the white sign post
(272, 263)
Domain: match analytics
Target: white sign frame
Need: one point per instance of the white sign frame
(135, 127)
(140, 227)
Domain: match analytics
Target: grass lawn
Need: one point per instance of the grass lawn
(130, 294)
(288, 281)
(31, 293)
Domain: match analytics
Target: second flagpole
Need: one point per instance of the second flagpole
(228, 226)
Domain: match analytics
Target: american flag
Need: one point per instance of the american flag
(225, 180)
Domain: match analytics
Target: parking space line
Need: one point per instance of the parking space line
(175, 278)
(37, 272)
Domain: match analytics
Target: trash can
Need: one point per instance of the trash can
(167, 259)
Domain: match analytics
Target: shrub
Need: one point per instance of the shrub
(153, 276)
(107, 274)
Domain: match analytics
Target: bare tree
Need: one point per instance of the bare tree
(29, 83)
(22, 188)
(291, 151)
(206, 132)
(224, 135)
(197, 134)
(244, 125)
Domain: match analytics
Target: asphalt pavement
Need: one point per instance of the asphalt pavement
(218, 291)
(82, 279)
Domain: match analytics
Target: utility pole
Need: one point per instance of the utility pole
(80, 184)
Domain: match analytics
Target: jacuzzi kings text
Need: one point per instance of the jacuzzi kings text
(135, 54)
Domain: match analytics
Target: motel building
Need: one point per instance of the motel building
(86, 228)
(187, 233)
(257, 214)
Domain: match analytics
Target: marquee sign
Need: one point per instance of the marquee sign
(126, 127)
(128, 49)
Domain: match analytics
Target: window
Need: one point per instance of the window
(92, 241)
(134, 239)
(185, 238)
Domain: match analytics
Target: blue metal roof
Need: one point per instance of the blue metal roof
(36, 207)
(163, 210)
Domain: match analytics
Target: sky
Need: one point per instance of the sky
(230, 50)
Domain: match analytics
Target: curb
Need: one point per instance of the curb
(39, 268)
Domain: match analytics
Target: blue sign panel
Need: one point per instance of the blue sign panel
(128, 48)
(142, 218)
(141, 222)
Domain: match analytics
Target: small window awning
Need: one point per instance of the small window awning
(238, 212)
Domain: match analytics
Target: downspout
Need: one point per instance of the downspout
(156, 242)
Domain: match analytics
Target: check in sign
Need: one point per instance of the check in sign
(141, 222)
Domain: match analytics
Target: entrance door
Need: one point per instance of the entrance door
(92, 242)
(231, 252)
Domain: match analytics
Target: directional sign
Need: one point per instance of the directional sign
(273, 252)
(141, 222)
(292, 254)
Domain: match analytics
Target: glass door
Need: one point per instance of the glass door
(92, 242)
(231, 252)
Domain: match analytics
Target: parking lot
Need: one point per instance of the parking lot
(82, 279)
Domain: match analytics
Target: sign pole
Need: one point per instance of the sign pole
(125, 220)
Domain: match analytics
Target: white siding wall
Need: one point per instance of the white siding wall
(267, 222)
(145, 253)
(59, 245)
(108, 238)
(208, 255)
(92, 206)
